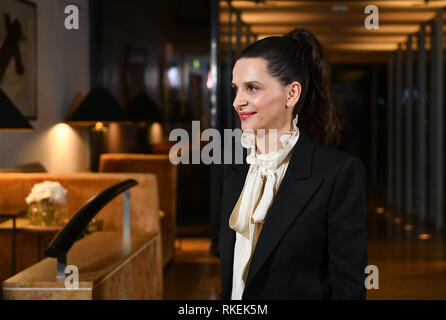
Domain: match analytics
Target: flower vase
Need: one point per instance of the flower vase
(46, 213)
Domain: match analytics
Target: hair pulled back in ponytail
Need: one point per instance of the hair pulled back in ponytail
(298, 56)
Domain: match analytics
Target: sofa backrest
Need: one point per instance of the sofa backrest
(81, 187)
(160, 165)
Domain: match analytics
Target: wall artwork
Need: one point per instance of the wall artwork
(18, 54)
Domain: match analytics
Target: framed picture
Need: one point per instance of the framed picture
(18, 52)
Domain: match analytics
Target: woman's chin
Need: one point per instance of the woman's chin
(248, 125)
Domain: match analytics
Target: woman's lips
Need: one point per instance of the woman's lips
(246, 115)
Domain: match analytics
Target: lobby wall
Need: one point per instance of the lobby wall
(63, 69)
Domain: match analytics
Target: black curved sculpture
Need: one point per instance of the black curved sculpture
(65, 238)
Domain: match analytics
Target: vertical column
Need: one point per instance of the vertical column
(390, 131)
(244, 35)
(408, 132)
(238, 32)
(421, 126)
(126, 214)
(228, 88)
(214, 61)
(431, 136)
(215, 170)
(251, 36)
(95, 43)
(374, 151)
(238, 50)
(398, 132)
(438, 130)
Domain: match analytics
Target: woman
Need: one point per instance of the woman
(306, 239)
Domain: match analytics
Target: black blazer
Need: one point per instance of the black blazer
(313, 244)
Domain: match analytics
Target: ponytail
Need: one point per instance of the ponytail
(298, 56)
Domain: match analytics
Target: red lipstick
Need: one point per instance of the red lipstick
(246, 115)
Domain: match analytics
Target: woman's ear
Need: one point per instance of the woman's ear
(293, 94)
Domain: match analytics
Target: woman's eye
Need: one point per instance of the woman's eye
(252, 88)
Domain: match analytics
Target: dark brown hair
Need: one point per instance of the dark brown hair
(298, 56)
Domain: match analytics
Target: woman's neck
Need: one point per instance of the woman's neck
(268, 140)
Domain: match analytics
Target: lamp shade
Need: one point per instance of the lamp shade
(10, 116)
(98, 106)
(143, 108)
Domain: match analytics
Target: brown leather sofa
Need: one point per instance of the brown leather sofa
(166, 173)
(144, 208)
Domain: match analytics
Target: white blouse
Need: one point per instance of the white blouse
(265, 174)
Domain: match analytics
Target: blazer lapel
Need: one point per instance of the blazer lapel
(294, 192)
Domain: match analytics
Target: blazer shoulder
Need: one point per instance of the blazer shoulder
(329, 158)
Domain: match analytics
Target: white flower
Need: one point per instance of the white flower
(47, 190)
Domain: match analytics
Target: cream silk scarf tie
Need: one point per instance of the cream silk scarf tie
(253, 204)
(265, 174)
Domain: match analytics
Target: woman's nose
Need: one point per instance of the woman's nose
(239, 101)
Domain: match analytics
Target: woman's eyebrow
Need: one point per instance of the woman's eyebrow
(248, 83)
(253, 82)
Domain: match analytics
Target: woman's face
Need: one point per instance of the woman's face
(261, 101)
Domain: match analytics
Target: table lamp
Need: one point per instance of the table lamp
(97, 110)
(143, 109)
